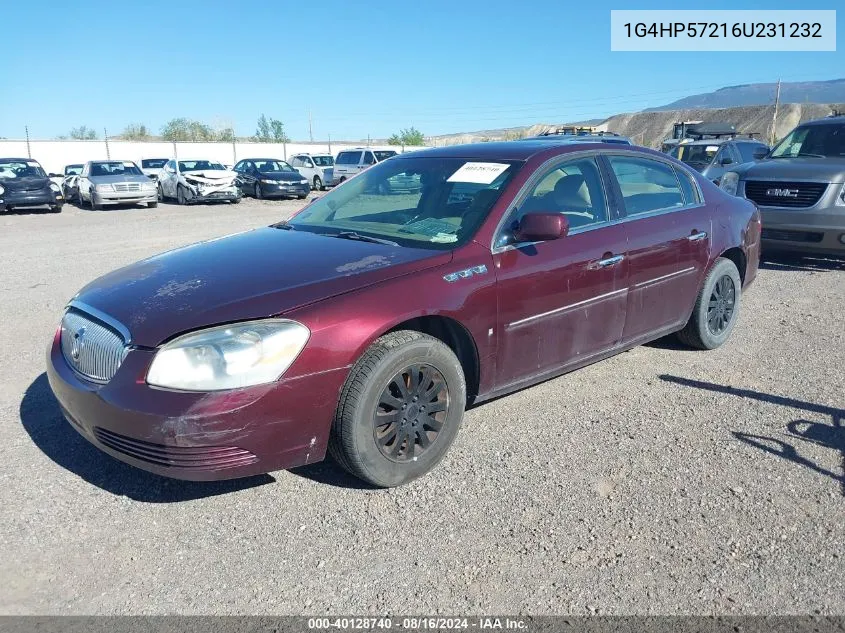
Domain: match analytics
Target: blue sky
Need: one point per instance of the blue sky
(363, 68)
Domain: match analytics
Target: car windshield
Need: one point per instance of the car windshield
(73, 170)
(825, 140)
(197, 165)
(115, 168)
(323, 161)
(431, 203)
(384, 154)
(11, 169)
(269, 166)
(153, 163)
(695, 154)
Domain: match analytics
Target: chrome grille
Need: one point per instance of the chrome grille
(784, 193)
(127, 186)
(91, 348)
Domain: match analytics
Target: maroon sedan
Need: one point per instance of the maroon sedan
(365, 324)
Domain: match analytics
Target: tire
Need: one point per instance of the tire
(236, 201)
(301, 197)
(372, 390)
(716, 309)
(56, 208)
(256, 192)
(94, 205)
(342, 179)
(160, 193)
(181, 198)
(318, 184)
(80, 201)
(152, 205)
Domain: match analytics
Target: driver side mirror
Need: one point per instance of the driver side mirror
(541, 226)
(726, 160)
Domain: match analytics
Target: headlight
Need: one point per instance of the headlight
(55, 187)
(148, 185)
(104, 188)
(730, 182)
(267, 181)
(303, 182)
(229, 356)
(2, 190)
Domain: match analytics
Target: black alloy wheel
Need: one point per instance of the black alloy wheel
(410, 413)
(720, 308)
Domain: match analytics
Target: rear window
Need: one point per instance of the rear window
(348, 158)
(746, 150)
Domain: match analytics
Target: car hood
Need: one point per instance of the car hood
(24, 184)
(104, 180)
(210, 175)
(257, 274)
(282, 176)
(818, 169)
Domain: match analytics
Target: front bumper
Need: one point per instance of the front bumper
(285, 189)
(31, 198)
(124, 197)
(804, 230)
(220, 195)
(198, 436)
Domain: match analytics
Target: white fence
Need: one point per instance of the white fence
(54, 155)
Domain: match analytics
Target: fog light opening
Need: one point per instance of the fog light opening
(842, 238)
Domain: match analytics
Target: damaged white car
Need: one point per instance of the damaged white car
(190, 181)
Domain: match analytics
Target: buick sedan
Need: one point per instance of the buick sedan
(376, 317)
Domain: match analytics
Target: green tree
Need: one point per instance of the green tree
(277, 129)
(83, 133)
(183, 129)
(409, 136)
(263, 133)
(135, 132)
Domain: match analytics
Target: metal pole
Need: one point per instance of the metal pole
(234, 147)
(28, 150)
(106, 137)
(310, 131)
(175, 153)
(285, 149)
(330, 142)
(775, 116)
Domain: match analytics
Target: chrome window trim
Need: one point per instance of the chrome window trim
(532, 182)
(110, 321)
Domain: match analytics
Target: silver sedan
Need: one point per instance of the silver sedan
(105, 182)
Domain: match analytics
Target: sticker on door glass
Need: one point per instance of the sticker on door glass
(479, 173)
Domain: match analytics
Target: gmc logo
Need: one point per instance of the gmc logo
(782, 193)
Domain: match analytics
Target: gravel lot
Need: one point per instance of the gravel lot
(661, 481)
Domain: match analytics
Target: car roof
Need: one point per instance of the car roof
(260, 158)
(835, 120)
(20, 159)
(721, 141)
(509, 150)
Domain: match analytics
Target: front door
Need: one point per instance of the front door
(668, 243)
(560, 301)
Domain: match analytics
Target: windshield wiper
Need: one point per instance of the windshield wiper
(352, 235)
(284, 224)
(802, 154)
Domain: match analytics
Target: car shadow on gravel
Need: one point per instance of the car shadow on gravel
(798, 262)
(43, 420)
(830, 436)
(329, 472)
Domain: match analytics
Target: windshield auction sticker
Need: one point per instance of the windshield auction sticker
(724, 30)
(478, 173)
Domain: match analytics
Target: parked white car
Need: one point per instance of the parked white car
(105, 182)
(353, 161)
(190, 181)
(152, 167)
(317, 168)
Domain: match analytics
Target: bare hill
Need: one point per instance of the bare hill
(650, 128)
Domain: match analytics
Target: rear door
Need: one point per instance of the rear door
(367, 160)
(668, 231)
(561, 301)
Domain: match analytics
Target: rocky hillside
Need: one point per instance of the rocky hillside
(829, 91)
(650, 128)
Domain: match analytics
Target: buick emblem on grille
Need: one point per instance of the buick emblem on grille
(782, 193)
(77, 344)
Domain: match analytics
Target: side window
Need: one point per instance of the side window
(306, 162)
(573, 189)
(725, 154)
(369, 158)
(239, 167)
(688, 187)
(171, 165)
(647, 185)
(296, 161)
(746, 151)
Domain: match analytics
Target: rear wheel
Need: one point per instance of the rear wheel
(716, 309)
(400, 409)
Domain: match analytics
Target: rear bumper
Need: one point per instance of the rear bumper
(804, 230)
(198, 436)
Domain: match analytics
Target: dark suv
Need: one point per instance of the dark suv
(714, 156)
(800, 188)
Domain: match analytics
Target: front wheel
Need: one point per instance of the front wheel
(55, 208)
(236, 200)
(318, 184)
(181, 197)
(400, 409)
(716, 309)
(95, 206)
(257, 193)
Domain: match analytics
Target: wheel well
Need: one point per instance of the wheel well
(737, 257)
(458, 339)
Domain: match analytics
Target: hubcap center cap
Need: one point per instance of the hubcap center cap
(412, 412)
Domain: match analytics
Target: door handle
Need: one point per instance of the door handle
(697, 236)
(609, 261)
